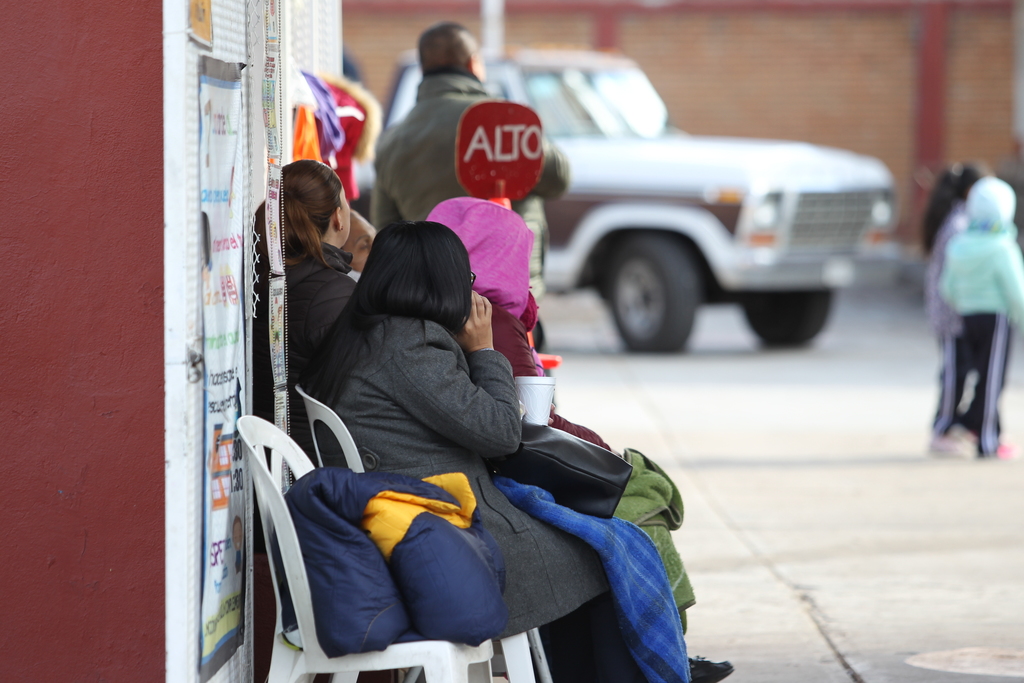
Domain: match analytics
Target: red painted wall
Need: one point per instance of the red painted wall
(81, 342)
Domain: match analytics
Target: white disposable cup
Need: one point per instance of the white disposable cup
(536, 394)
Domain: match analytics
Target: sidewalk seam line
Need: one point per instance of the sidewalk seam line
(810, 606)
(815, 614)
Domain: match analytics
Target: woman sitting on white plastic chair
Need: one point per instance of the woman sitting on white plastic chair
(317, 225)
(316, 228)
(410, 368)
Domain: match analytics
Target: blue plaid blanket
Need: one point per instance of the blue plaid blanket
(641, 593)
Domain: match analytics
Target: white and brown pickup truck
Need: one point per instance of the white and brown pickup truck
(661, 222)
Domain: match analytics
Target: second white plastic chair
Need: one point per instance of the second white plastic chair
(319, 414)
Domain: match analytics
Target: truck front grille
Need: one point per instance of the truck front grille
(830, 220)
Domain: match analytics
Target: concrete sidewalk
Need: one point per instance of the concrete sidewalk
(823, 543)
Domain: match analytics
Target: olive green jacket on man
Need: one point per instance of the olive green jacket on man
(416, 163)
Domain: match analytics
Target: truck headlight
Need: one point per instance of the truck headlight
(881, 210)
(768, 212)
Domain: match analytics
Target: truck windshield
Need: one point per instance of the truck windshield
(613, 103)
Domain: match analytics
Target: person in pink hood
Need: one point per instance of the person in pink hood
(499, 245)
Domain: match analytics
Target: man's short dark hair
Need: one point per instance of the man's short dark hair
(446, 44)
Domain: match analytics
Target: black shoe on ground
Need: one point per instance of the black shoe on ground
(703, 671)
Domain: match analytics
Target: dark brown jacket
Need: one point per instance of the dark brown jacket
(316, 295)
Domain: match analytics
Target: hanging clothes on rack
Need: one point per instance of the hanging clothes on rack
(306, 141)
(330, 134)
(305, 135)
(359, 116)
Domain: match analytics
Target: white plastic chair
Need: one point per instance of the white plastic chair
(517, 650)
(318, 412)
(443, 662)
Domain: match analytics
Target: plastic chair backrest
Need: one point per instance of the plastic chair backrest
(255, 430)
(257, 433)
(317, 412)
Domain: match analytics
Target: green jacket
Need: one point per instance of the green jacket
(653, 503)
(984, 273)
(416, 163)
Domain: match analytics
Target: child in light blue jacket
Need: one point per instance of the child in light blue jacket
(946, 217)
(983, 280)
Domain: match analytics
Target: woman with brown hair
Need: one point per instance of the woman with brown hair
(316, 223)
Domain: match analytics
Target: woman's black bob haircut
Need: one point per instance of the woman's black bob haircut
(416, 269)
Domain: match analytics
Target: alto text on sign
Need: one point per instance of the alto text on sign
(499, 150)
(510, 142)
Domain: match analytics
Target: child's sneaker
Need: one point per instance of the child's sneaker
(1007, 452)
(963, 434)
(948, 446)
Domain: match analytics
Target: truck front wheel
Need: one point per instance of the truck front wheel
(654, 290)
(787, 318)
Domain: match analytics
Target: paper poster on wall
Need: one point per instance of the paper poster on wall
(271, 105)
(272, 25)
(273, 214)
(200, 21)
(221, 164)
(277, 331)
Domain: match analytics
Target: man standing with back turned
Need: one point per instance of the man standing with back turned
(416, 158)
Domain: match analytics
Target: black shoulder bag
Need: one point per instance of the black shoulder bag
(581, 476)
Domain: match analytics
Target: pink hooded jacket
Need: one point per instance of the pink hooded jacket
(499, 246)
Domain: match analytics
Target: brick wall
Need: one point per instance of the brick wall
(979, 96)
(377, 39)
(840, 77)
(575, 29)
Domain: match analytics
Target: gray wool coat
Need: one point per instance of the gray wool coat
(420, 407)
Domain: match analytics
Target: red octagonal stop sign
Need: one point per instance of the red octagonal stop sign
(499, 150)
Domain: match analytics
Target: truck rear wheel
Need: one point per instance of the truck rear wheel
(787, 318)
(654, 290)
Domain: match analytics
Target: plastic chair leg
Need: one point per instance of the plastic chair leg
(440, 670)
(480, 672)
(451, 667)
(518, 662)
(283, 663)
(345, 677)
(540, 659)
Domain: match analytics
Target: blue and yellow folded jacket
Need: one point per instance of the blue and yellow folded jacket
(391, 559)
